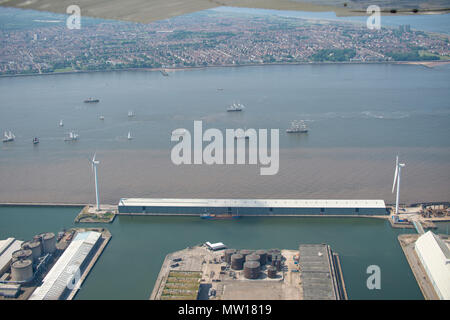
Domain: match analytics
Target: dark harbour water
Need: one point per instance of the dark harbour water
(130, 264)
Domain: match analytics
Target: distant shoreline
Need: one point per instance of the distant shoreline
(425, 63)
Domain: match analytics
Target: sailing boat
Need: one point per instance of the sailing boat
(129, 137)
(72, 136)
(9, 136)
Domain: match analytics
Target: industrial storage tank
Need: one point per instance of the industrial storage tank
(271, 272)
(237, 261)
(23, 254)
(227, 255)
(252, 269)
(22, 270)
(48, 242)
(263, 256)
(252, 257)
(276, 261)
(245, 252)
(35, 247)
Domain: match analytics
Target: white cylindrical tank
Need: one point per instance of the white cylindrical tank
(22, 254)
(35, 247)
(22, 270)
(48, 242)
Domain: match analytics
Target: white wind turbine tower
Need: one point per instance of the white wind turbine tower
(398, 170)
(94, 166)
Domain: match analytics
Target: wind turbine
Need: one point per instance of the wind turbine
(398, 170)
(94, 166)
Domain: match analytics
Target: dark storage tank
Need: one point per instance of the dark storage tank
(263, 256)
(271, 272)
(227, 255)
(252, 269)
(237, 261)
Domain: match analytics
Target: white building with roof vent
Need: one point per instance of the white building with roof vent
(434, 255)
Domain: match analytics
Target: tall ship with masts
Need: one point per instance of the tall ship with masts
(235, 107)
(8, 136)
(71, 136)
(297, 127)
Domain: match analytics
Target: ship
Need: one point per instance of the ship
(213, 216)
(35, 140)
(164, 73)
(297, 127)
(91, 100)
(178, 132)
(130, 114)
(61, 124)
(102, 117)
(72, 136)
(8, 136)
(235, 107)
(129, 137)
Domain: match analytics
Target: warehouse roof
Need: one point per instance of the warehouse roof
(62, 273)
(258, 203)
(435, 255)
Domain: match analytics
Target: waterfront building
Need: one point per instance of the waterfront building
(251, 206)
(434, 254)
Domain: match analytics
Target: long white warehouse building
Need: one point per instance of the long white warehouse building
(251, 206)
(434, 255)
(59, 280)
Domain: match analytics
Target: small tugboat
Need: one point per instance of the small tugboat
(91, 100)
(35, 140)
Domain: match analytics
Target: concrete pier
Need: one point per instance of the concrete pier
(312, 272)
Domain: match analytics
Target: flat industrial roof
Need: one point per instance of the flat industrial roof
(258, 203)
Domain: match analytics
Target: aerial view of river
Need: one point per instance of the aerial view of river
(359, 118)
